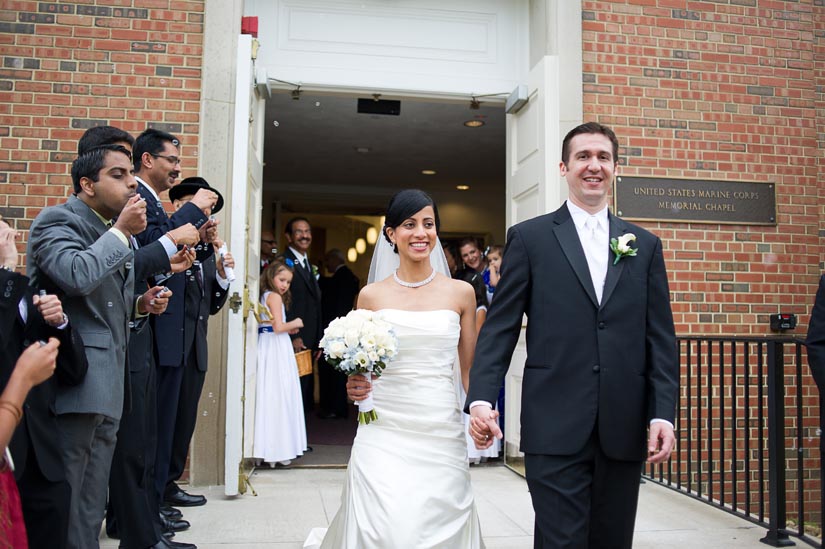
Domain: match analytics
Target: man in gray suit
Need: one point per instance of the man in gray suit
(77, 252)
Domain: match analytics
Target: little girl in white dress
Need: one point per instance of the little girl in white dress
(280, 432)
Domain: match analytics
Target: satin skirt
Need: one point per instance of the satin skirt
(408, 482)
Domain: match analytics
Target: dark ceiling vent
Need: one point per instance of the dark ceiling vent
(379, 106)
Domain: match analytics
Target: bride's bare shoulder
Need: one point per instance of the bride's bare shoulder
(371, 295)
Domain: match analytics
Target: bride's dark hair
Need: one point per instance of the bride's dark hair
(406, 204)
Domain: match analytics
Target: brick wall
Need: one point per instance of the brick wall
(68, 66)
(718, 90)
(725, 90)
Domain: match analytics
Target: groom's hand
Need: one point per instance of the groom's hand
(661, 442)
(484, 426)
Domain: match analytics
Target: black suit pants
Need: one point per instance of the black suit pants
(45, 506)
(332, 389)
(308, 393)
(170, 379)
(583, 501)
(190, 394)
(132, 512)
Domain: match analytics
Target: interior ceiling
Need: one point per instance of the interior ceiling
(312, 163)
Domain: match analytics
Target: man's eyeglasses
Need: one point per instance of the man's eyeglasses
(170, 158)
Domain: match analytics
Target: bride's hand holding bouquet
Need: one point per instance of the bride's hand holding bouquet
(361, 342)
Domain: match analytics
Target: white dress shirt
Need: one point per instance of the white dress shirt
(594, 235)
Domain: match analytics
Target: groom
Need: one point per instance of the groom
(601, 377)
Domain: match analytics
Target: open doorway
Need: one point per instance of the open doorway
(336, 159)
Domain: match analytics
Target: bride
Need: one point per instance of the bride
(408, 482)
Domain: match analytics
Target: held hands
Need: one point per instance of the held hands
(50, 309)
(298, 343)
(37, 362)
(155, 300)
(661, 442)
(185, 235)
(132, 218)
(484, 426)
(182, 260)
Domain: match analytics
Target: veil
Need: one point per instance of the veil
(385, 261)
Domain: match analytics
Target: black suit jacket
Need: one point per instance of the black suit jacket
(169, 326)
(199, 304)
(37, 431)
(338, 294)
(306, 304)
(816, 337)
(615, 363)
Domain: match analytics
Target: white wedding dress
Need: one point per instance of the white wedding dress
(408, 482)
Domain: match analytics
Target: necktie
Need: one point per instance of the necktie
(595, 249)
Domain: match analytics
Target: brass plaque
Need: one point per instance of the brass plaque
(694, 200)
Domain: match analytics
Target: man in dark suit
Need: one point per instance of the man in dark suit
(157, 163)
(599, 394)
(306, 299)
(205, 294)
(134, 456)
(26, 317)
(338, 293)
(77, 251)
(816, 338)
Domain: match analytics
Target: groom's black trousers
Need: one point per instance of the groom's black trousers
(583, 501)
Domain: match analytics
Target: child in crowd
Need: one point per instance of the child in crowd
(280, 432)
(491, 273)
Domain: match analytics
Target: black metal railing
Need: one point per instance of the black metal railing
(748, 434)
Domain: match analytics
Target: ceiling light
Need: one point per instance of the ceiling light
(372, 235)
(360, 245)
(474, 123)
(362, 150)
(352, 255)
(463, 187)
(428, 172)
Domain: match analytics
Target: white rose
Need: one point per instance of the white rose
(336, 349)
(351, 338)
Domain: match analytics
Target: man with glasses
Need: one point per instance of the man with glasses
(269, 248)
(157, 166)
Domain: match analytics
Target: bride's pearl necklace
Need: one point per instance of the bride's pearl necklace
(414, 284)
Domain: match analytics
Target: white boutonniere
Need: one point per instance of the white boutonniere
(621, 246)
(315, 272)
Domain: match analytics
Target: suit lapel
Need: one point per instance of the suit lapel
(614, 272)
(568, 238)
(305, 274)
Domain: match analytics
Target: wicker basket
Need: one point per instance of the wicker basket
(304, 360)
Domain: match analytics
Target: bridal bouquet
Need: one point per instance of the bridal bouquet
(360, 343)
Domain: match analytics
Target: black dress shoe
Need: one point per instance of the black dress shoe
(180, 545)
(173, 525)
(170, 512)
(182, 499)
(327, 415)
(166, 544)
(168, 535)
